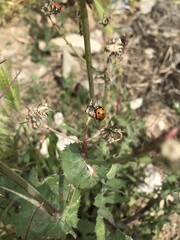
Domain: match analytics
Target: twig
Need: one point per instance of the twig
(67, 42)
(3, 61)
(86, 35)
(11, 83)
(139, 213)
(61, 134)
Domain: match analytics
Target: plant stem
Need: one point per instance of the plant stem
(50, 209)
(140, 212)
(105, 93)
(67, 42)
(86, 34)
(128, 158)
(61, 134)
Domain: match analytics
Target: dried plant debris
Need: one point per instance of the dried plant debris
(105, 21)
(36, 117)
(112, 133)
(116, 46)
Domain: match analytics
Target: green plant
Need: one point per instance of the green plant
(90, 190)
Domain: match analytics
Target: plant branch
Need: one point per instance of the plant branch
(139, 213)
(50, 209)
(61, 134)
(148, 147)
(86, 35)
(67, 42)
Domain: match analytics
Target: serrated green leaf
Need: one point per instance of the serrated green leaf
(100, 228)
(118, 235)
(99, 200)
(113, 170)
(50, 189)
(106, 214)
(75, 168)
(115, 198)
(87, 229)
(70, 213)
(115, 184)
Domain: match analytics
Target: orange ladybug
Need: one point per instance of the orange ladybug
(100, 113)
(56, 8)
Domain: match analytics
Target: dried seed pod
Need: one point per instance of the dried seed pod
(114, 47)
(105, 21)
(112, 133)
(37, 116)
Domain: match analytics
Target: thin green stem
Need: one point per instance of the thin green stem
(105, 93)
(86, 34)
(67, 42)
(50, 209)
(128, 158)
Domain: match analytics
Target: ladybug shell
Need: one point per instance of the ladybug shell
(57, 8)
(100, 113)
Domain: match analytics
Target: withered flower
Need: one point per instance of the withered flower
(37, 116)
(112, 133)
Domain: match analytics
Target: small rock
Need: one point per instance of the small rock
(137, 103)
(77, 42)
(146, 6)
(42, 45)
(58, 119)
(44, 148)
(152, 180)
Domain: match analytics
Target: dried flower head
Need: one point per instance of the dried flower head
(112, 133)
(37, 116)
(114, 47)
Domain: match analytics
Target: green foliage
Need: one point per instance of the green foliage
(12, 96)
(60, 195)
(6, 138)
(75, 168)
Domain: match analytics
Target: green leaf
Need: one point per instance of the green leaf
(100, 228)
(70, 213)
(75, 168)
(113, 170)
(115, 184)
(87, 229)
(99, 200)
(145, 159)
(106, 214)
(118, 235)
(115, 198)
(50, 189)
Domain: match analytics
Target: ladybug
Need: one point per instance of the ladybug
(100, 113)
(56, 8)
